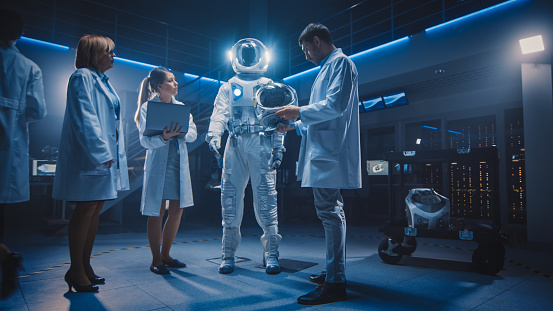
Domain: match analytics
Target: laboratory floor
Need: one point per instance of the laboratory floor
(437, 276)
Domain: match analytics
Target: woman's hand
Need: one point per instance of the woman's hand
(173, 131)
(109, 163)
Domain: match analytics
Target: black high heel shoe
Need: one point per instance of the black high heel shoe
(97, 280)
(80, 289)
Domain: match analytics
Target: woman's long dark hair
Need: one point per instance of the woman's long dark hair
(148, 89)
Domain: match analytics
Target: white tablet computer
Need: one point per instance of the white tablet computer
(160, 115)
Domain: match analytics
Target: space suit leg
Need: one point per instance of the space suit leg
(265, 202)
(234, 181)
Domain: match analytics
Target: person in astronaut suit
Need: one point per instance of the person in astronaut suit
(250, 152)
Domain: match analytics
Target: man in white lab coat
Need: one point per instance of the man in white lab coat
(329, 158)
(21, 101)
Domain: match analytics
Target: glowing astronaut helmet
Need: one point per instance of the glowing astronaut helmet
(249, 56)
(275, 95)
(269, 99)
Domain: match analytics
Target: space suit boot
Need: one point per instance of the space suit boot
(226, 266)
(271, 265)
(270, 241)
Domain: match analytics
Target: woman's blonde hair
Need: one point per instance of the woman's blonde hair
(148, 89)
(90, 49)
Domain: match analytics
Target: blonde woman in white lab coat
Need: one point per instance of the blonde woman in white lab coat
(92, 164)
(167, 183)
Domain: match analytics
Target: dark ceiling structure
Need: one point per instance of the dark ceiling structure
(193, 36)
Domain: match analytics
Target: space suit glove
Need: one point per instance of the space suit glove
(214, 142)
(276, 158)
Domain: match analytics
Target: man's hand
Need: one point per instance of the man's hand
(283, 128)
(289, 112)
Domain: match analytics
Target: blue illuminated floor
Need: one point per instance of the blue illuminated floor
(434, 278)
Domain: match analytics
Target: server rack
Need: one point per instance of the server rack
(488, 258)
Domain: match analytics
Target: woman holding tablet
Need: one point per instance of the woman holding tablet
(167, 183)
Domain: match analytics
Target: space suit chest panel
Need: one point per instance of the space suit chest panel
(243, 92)
(243, 103)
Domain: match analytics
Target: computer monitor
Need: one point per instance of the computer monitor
(43, 168)
(377, 167)
(374, 103)
(395, 99)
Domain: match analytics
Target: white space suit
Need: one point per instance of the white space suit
(250, 152)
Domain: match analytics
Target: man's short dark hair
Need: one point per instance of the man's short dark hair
(315, 30)
(11, 25)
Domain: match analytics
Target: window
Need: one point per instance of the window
(378, 102)
(395, 99)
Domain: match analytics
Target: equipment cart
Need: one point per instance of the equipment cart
(402, 230)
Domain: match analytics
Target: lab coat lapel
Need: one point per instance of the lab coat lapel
(114, 93)
(103, 88)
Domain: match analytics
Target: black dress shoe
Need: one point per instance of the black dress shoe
(97, 280)
(174, 264)
(161, 269)
(9, 274)
(325, 293)
(318, 278)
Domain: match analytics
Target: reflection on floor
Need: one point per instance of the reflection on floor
(438, 275)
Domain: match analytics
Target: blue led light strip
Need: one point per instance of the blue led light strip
(301, 73)
(454, 132)
(63, 47)
(119, 59)
(406, 38)
(470, 15)
(189, 75)
(352, 56)
(134, 62)
(435, 128)
(379, 47)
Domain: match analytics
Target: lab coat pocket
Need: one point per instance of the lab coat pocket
(99, 170)
(9, 103)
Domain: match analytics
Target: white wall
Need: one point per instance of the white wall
(538, 133)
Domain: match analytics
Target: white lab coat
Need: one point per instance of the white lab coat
(21, 101)
(330, 153)
(156, 164)
(90, 136)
